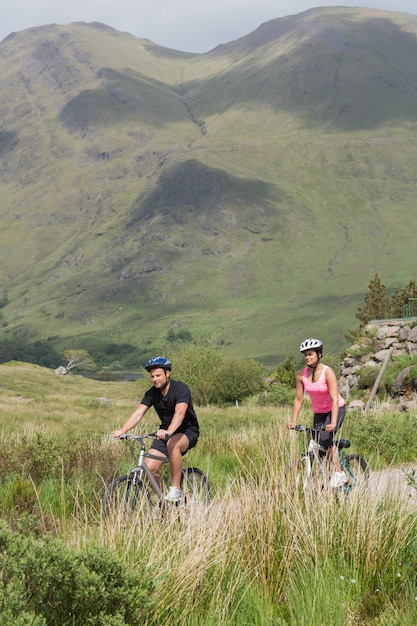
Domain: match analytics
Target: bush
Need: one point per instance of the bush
(46, 582)
(237, 379)
(214, 378)
(285, 373)
(367, 377)
(276, 395)
(42, 455)
(388, 437)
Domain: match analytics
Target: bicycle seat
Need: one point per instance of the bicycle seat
(342, 443)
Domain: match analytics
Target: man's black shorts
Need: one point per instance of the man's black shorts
(191, 433)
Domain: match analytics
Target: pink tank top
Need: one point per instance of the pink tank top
(319, 392)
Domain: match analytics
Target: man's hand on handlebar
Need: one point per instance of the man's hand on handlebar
(163, 434)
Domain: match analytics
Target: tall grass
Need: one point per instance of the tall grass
(264, 554)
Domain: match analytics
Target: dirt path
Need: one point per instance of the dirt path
(394, 482)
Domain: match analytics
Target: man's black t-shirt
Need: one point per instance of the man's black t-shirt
(165, 405)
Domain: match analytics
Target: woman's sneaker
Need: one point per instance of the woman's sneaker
(173, 495)
(338, 480)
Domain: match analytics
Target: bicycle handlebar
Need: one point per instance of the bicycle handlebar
(308, 430)
(140, 438)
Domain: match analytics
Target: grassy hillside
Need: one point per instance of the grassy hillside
(246, 195)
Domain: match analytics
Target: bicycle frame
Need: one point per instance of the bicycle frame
(137, 472)
(313, 455)
(354, 466)
(140, 480)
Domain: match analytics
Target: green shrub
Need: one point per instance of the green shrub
(285, 373)
(389, 437)
(56, 584)
(237, 379)
(44, 455)
(276, 395)
(367, 377)
(214, 378)
(395, 368)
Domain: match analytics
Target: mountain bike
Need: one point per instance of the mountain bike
(139, 491)
(312, 469)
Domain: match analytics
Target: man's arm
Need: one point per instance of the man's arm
(177, 420)
(132, 421)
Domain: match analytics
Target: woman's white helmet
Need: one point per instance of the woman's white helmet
(311, 344)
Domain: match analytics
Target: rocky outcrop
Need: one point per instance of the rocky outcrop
(379, 338)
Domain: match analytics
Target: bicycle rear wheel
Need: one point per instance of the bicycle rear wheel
(195, 487)
(357, 472)
(124, 496)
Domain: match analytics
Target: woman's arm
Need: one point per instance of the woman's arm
(298, 400)
(334, 396)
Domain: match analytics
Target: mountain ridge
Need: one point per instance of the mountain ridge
(146, 190)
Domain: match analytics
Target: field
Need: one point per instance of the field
(265, 554)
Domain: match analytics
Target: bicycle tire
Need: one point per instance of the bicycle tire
(356, 470)
(195, 487)
(123, 497)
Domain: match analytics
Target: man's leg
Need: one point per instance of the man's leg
(155, 465)
(177, 446)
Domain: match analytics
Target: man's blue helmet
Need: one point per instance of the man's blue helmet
(158, 361)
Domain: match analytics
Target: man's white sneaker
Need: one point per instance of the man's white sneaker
(173, 495)
(338, 480)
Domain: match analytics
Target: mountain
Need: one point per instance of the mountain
(244, 196)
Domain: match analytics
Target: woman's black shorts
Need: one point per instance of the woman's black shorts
(321, 419)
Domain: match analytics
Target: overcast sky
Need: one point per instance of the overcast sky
(187, 25)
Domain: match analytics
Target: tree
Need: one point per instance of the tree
(214, 378)
(79, 359)
(400, 298)
(197, 366)
(285, 373)
(376, 305)
(238, 379)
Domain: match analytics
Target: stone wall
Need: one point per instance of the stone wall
(379, 338)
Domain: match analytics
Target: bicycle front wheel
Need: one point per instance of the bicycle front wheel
(195, 487)
(124, 496)
(357, 472)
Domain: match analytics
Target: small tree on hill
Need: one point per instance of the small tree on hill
(400, 298)
(376, 305)
(80, 360)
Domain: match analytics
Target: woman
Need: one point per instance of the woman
(319, 381)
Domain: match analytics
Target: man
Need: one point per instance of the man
(179, 429)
